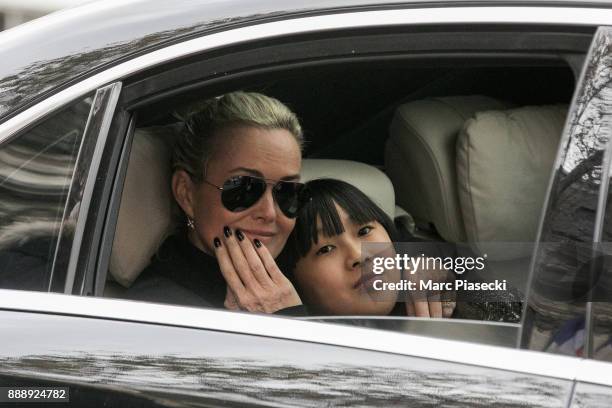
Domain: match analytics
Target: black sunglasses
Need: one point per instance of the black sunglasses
(241, 192)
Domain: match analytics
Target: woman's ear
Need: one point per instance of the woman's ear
(183, 190)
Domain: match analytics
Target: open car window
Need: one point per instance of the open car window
(458, 154)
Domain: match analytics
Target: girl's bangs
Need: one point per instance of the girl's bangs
(325, 194)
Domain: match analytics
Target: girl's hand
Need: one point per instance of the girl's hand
(432, 303)
(254, 281)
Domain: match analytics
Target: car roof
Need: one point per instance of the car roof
(43, 55)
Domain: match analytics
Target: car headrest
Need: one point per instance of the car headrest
(370, 180)
(504, 163)
(146, 211)
(420, 158)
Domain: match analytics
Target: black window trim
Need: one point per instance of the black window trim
(87, 171)
(544, 43)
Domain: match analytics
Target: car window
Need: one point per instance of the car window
(601, 271)
(598, 279)
(36, 170)
(374, 134)
(560, 291)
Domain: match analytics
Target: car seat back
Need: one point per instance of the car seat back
(420, 159)
(478, 172)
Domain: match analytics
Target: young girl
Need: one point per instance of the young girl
(324, 253)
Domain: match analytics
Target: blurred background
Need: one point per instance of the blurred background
(15, 12)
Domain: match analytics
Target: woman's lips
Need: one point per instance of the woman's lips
(259, 234)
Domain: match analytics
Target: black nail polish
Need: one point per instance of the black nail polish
(227, 232)
(239, 235)
(257, 243)
(217, 242)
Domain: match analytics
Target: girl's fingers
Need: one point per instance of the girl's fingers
(253, 260)
(448, 308)
(227, 268)
(435, 308)
(410, 311)
(239, 261)
(434, 303)
(449, 303)
(421, 308)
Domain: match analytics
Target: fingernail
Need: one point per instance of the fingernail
(240, 235)
(217, 242)
(227, 232)
(257, 243)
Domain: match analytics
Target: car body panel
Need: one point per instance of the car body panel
(460, 352)
(591, 396)
(70, 45)
(187, 365)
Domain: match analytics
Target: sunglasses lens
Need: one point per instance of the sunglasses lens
(241, 192)
(287, 196)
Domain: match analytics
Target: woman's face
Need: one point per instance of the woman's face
(272, 154)
(334, 277)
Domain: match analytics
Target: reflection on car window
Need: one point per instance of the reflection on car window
(36, 169)
(601, 273)
(555, 316)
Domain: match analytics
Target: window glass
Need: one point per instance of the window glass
(599, 274)
(560, 289)
(36, 170)
(601, 305)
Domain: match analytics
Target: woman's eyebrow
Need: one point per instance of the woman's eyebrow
(247, 170)
(258, 173)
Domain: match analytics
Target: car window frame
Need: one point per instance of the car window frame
(87, 171)
(131, 100)
(145, 87)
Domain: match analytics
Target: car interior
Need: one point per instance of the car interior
(410, 153)
(456, 150)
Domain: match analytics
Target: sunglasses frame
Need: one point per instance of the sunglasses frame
(268, 182)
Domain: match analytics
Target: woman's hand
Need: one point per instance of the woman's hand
(253, 279)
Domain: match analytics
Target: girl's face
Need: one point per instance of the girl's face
(335, 279)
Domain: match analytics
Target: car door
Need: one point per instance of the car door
(126, 353)
(568, 303)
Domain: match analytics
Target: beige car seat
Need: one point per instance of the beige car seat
(420, 160)
(477, 172)
(504, 165)
(146, 210)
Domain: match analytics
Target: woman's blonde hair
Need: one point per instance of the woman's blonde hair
(194, 146)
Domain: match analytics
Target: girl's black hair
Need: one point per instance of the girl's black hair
(321, 194)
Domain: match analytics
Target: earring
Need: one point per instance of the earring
(190, 223)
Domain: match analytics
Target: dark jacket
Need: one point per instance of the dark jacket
(181, 274)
